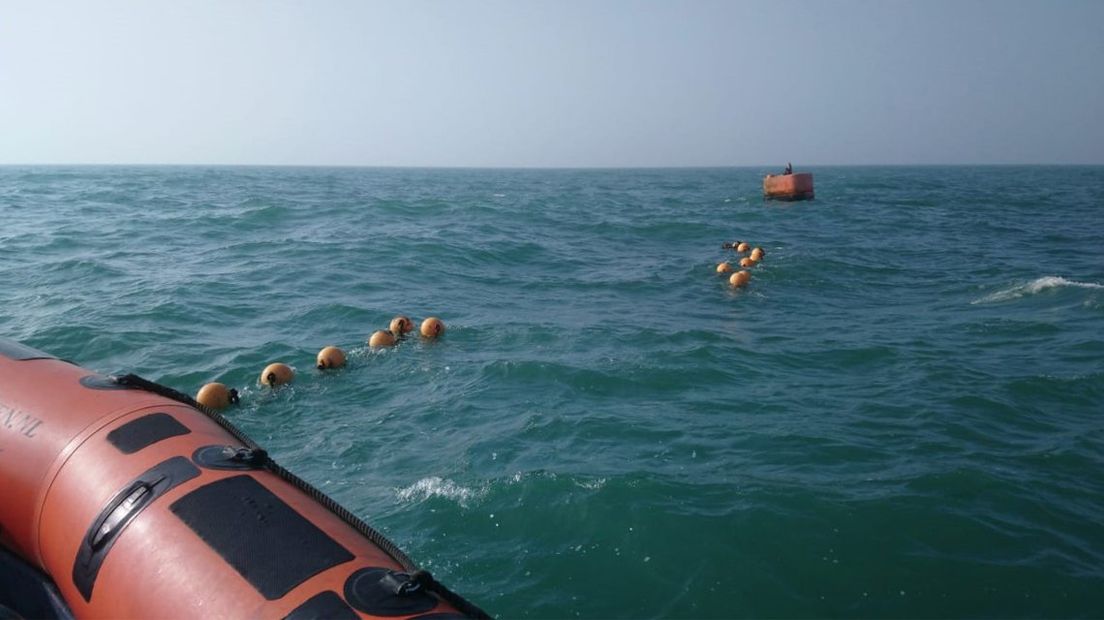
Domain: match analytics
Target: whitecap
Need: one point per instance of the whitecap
(435, 486)
(1033, 288)
(592, 485)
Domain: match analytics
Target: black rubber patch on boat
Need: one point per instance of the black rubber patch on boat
(374, 591)
(21, 352)
(273, 547)
(324, 606)
(145, 431)
(119, 512)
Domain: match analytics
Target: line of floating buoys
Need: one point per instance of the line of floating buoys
(743, 277)
(218, 396)
(739, 246)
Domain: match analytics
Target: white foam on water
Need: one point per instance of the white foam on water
(1033, 288)
(435, 486)
(592, 485)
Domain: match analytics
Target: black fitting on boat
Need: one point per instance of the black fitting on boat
(230, 457)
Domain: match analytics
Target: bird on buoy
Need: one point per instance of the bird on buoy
(382, 338)
(277, 374)
(724, 267)
(401, 325)
(432, 327)
(743, 246)
(731, 246)
(747, 261)
(216, 396)
(740, 278)
(757, 254)
(330, 357)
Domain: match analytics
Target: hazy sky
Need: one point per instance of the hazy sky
(587, 83)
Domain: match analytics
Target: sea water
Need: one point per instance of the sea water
(901, 416)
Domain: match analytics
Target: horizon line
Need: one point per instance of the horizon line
(524, 167)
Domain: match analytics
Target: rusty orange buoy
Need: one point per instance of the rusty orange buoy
(740, 278)
(382, 338)
(797, 186)
(401, 325)
(432, 327)
(330, 357)
(216, 396)
(277, 374)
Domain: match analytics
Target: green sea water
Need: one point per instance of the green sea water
(901, 416)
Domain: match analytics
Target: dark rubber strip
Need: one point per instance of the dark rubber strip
(323, 606)
(145, 431)
(273, 547)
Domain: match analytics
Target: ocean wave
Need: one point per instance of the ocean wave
(464, 496)
(435, 486)
(1033, 288)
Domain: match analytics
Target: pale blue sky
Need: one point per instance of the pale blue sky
(587, 83)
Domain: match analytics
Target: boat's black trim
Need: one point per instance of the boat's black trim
(21, 352)
(100, 382)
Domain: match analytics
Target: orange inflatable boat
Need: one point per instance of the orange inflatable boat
(796, 186)
(121, 498)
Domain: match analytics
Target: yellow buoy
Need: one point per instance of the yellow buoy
(382, 338)
(277, 374)
(743, 246)
(724, 267)
(330, 357)
(757, 254)
(401, 325)
(740, 278)
(432, 327)
(747, 261)
(216, 396)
